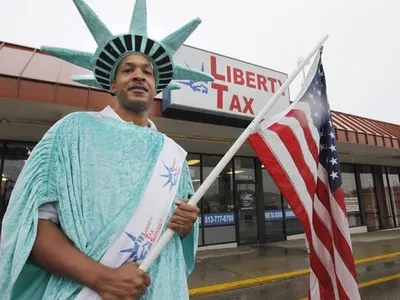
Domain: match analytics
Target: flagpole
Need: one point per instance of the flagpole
(166, 237)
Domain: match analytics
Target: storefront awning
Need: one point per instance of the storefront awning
(356, 129)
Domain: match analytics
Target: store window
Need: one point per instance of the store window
(194, 168)
(394, 190)
(292, 225)
(273, 213)
(369, 198)
(386, 210)
(350, 195)
(14, 156)
(2, 183)
(218, 205)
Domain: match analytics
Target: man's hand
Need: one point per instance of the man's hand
(125, 282)
(54, 252)
(183, 218)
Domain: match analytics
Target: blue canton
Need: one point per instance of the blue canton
(316, 97)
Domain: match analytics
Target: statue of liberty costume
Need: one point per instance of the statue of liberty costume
(113, 183)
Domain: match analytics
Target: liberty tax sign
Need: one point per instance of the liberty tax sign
(239, 90)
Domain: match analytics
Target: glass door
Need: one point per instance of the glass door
(245, 195)
(247, 212)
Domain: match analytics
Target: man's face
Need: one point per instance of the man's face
(134, 83)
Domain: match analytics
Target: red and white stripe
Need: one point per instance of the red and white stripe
(289, 149)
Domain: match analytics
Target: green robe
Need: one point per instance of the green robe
(95, 170)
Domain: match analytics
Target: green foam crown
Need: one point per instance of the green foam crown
(113, 48)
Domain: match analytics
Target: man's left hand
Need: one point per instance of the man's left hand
(183, 218)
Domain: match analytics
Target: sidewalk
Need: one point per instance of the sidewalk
(215, 267)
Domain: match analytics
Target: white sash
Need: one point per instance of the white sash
(144, 228)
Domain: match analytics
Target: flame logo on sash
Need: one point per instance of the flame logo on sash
(172, 175)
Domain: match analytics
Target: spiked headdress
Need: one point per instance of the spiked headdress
(112, 49)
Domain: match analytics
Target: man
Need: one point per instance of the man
(100, 188)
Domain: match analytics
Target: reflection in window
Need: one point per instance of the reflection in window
(218, 197)
(369, 198)
(15, 156)
(218, 205)
(193, 162)
(394, 184)
(350, 195)
(273, 213)
(9, 176)
(3, 180)
(272, 195)
(194, 168)
(292, 224)
(386, 212)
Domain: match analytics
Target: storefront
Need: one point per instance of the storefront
(243, 206)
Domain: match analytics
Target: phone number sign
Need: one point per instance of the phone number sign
(217, 219)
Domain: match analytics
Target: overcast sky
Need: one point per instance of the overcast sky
(361, 57)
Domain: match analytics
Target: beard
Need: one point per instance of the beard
(135, 106)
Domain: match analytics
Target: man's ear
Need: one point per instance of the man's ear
(112, 88)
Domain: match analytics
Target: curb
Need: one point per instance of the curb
(229, 286)
(213, 289)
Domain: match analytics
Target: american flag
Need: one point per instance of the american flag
(298, 149)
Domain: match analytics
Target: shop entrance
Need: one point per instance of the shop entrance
(246, 201)
(247, 212)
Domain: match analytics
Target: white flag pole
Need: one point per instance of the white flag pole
(166, 237)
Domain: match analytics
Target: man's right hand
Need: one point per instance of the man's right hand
(54, 252)
(125, 282)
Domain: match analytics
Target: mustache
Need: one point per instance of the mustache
(138, 86)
